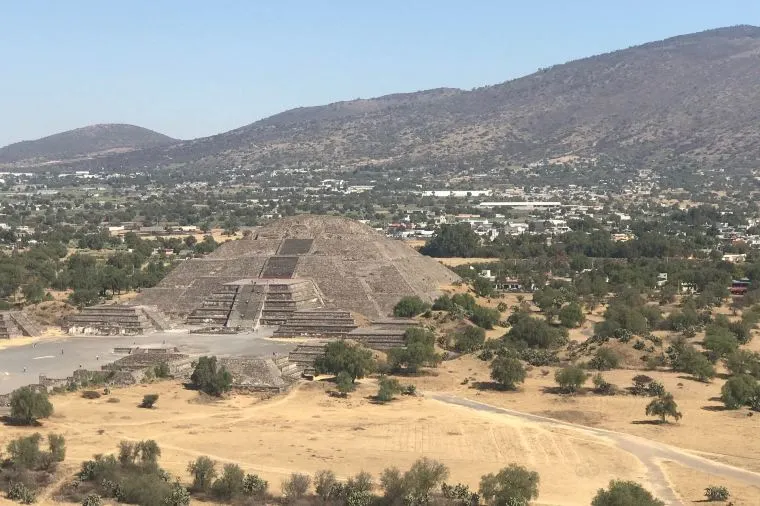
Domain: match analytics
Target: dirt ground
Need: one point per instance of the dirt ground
(49, 333)
(307, 430)
(691, 484)
(723, 435)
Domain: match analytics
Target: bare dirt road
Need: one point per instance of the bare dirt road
(650, 453)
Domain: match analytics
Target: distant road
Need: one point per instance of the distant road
(649, 452)
(93, 351)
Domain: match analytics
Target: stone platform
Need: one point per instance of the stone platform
(114, 320)
(16, 324)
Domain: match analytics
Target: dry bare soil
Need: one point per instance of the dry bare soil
(307, 430)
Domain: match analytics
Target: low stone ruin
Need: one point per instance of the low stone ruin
(116, 319)
(317, 323)
(16, 324)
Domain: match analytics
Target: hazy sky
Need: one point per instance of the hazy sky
(189, 68)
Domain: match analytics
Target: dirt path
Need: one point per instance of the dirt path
(650, 453)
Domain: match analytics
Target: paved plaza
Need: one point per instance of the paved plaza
(59, 358)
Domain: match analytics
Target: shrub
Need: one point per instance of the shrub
(203, 470)
(149, 400)
(92, 500)
(717, 493)
(533, 333)
(209, 378)
(57, 447)
(295, 487)
(254, 486)
(388, 388)
(538, 357)
(28, 405)
(744, 362)
(507, 371)
(410, 306)
(739, 390)
(511, 485)
(625, 493)
(178, 496)
(469, 340)
(325, 485)
(91, 394)
(602, 386)
(344, 383)
(604, 360)
(230, 483)
(21, 493)
(443, 303)
(419, 351)
(25, 452)
(570, 378)
(161, 370)
(409, 389)
(485, 317)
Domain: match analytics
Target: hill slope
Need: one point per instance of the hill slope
(87, 141)
(694, 96)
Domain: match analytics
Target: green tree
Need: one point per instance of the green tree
(739, 390)
(511, 486)
(341, 356)
(423, 478)
(625, 493)
(664, 406)
(210, 378)
(83, 297)
(485, 317)
(744, 362)
(203, 470)
(410, 306)
(507, 371)
(469, 340)
(571, 315)
(419, 351)
(533, 333)
(483, 287)
(571, 378)
(457, 240)
(720, 340)
(28, 405)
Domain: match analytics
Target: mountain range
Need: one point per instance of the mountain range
(694, 97)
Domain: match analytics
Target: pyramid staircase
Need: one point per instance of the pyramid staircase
(110, 320)
(215, 309)
(248, 303)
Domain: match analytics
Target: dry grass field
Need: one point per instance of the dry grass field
(307, 431)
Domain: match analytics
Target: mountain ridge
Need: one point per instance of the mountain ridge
(692, 96)
(90, 140)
